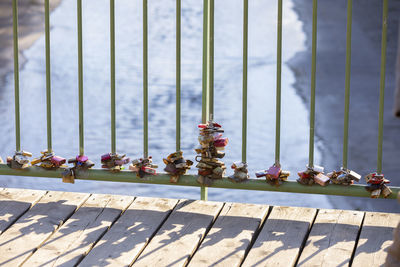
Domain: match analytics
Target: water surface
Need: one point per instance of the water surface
(228, 92)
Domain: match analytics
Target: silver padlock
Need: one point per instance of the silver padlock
(241, 175)
(180, 165)
(239, 165)
(355, 176)
(21, 159)
(316, 168)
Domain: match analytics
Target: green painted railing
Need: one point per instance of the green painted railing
(207, 101)
(80, 78)
(190, 180)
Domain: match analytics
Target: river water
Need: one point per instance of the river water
(228, 85)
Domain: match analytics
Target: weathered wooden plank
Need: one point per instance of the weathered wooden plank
(130, 233)
(180, 235)
(281, 238)
(230, 236)
(14, 203)
(75, 238)
(332, 238)
(36, 225)
(376, 236)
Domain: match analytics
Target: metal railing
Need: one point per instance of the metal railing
(207, 102)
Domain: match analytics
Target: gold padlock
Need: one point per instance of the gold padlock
(376, 193)
(68, 180)
(26, 153)
(386, 191)
(36, 161)
(202, 165)
(68, 176)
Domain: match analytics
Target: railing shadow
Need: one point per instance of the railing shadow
(123, 238)
(41, 220)
(7, 218)
(327, 241)
(233, 227)
(91, 222)
(285, 235)
(138, 231)
(179, 225)
(372, 245)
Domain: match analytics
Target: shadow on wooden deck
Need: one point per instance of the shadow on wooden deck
(95, 230)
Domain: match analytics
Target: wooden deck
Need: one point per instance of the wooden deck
(39, 228)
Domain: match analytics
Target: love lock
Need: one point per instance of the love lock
(143, 166)
(344, 177)
(114, 162)
(176, 165)
(49, 161)
(20, 160)
(81, 165)
(314, 174)
(377, 185)
(212, 145)
(274, 175)
(241, 173)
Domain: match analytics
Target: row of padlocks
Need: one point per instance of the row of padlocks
(210, 167)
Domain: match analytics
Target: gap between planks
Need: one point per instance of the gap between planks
(75, 238)
(375, 237)
(256, 234)
(130, 234)
(363, 233)
(357, 239)
(36, 225)
(332, 238)
(281, 238)
(15, 203)
(230, 236)
(180, 234)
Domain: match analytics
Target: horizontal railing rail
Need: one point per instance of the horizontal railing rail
(207, 102)
(191, 180)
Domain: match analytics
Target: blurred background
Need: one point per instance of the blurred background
(297, 19)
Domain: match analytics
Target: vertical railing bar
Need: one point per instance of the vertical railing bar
(313, 70)
(145, 83)
(278, 84)
(204, 193)
(48, 75)
(244, 93)
(205, 92)
(112, 70)
(382, 85)
(205, 104)
(16, 76)
(347, 84)
(211, 57)
(80, 77)
(178, 75)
